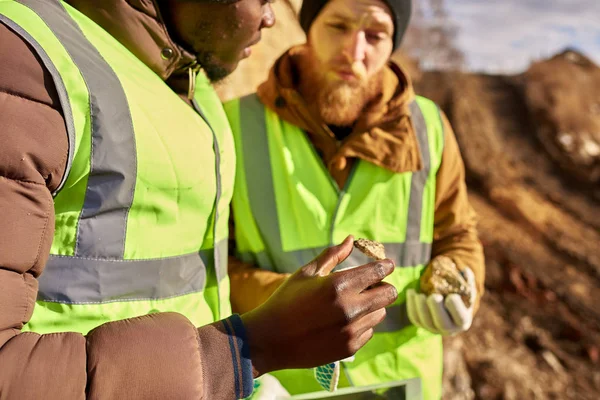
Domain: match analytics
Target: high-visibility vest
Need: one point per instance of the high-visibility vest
(142, 210)
(287, 209)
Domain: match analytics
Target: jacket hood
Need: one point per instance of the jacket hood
(383, 134)
(139, 26)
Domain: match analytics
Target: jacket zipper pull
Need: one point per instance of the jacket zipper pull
(192, 73)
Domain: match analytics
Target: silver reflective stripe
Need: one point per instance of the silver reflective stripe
(80, 280)
(407, 254)
(419, 253)
(77, 280)
(294, 259)
(413, 252)
(60, 88)
(418, 179)
(396, 319)
(257, 165)
(111, 183)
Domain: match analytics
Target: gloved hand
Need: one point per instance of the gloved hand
(445, 316)
(316, 317)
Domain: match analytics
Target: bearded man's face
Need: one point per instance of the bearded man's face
(349, 43)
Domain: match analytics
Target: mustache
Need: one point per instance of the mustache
(359, 70)
(356, 68)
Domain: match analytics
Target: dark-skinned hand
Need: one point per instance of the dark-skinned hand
(315, 316)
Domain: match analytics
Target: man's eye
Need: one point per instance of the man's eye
(339, 27)
(374, 36)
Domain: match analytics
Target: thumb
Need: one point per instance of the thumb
(470, 278)
(330, 258)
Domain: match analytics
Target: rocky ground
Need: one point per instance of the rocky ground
(531, 145)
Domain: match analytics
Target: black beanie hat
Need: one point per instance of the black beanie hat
(400, 12)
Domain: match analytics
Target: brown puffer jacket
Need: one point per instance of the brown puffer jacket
(159, 356)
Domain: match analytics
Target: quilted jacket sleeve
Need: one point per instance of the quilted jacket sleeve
(455, 221)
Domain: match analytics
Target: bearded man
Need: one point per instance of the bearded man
(335, 142)
(116, 172)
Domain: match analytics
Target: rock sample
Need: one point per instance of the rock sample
(371, 248)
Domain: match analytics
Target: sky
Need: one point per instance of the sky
(505, 36)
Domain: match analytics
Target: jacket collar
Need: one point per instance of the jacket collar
(139, 26)
(383, 134)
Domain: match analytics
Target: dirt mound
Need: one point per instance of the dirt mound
(537, 335)
(563, 95)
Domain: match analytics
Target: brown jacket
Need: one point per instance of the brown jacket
(159, 356)
(384, 136)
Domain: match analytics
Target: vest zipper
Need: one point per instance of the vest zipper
(333, 183)
(216, 149)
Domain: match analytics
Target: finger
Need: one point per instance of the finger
(361, 341)
(377, 298)
(360, 278)
(330, 258)
(348, 340)
(461, 315)
(411, 307)
(424, 313)
(369, 321)
(469, 275)
(470, 278)
(439, 314)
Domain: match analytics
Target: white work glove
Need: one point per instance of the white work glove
(444, 316)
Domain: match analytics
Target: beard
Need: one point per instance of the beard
(341, 103)
(214, 70)
(338, 102)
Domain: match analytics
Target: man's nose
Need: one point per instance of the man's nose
(268, 18)
(356, 46)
